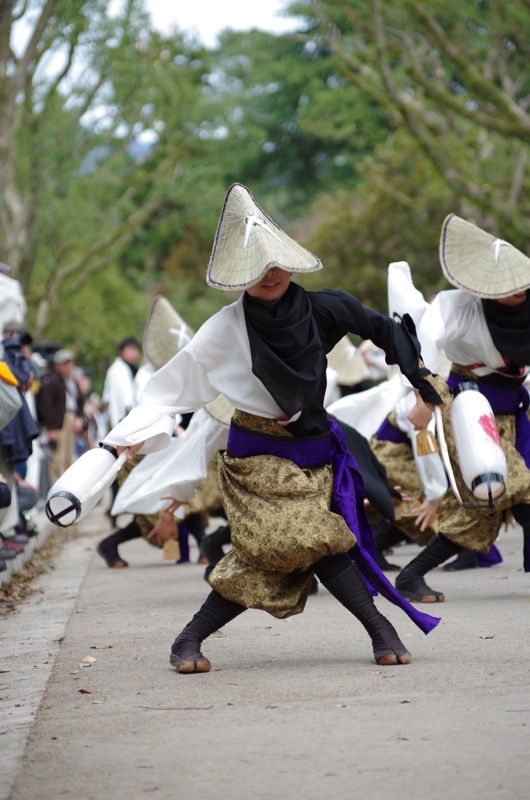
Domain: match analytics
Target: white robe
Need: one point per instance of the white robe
(216, 361)
(175, 471)
(455, 322)
(118, 391)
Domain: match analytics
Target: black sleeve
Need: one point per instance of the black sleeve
(338, 313)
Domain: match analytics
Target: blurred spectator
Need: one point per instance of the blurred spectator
(5, 501)
(85, 382)
(16, 438)
(60, 412)
(119, 395)
(118, 391)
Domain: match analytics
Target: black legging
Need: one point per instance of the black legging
(521, 512)
(331, 566)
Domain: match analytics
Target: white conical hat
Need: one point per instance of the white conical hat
(220, 409)
(248, 243)
(348, 362)
(165, 332)
(480, 263)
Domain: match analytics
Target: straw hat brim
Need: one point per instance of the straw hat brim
(348, 363)
(480, 263)
(248, 243)
(220, 409)
(165, 332)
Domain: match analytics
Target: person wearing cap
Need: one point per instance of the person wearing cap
(291, 491)
(60, 412)
(118, 389)
(16, 344)
(483, 326)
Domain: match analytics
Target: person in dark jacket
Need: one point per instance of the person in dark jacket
(60, 412)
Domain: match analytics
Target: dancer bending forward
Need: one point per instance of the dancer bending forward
(292, 492)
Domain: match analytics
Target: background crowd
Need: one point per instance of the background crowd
(58, 418)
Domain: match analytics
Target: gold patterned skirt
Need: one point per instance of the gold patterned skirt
(477, 528)
(281, 524)
(398, 460)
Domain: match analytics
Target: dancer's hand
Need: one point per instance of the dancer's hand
(405, 498)
(174, 504)
(420, 415)
(165, 528)
(133, 450)
(427, 514)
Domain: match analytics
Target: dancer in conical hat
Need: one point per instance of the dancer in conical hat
(483, 326)
(291, 491)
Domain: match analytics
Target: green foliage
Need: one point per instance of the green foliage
(297, 128)
(357, 134)
(455, 75)
(395, 215)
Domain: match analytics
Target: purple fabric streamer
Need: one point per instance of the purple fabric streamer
(348, 498)
(184, 544)
(490, 558)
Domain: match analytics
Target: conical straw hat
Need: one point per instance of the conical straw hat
(348, 363)
(480, 263)
(248, 243)
(220, 409)
(165, 332)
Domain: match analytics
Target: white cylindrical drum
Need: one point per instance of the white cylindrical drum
(478, 443)
(81, 486)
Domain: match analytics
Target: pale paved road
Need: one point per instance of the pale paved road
(292, 709)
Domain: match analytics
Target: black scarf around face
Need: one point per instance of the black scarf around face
(510, 329)
(287, 354)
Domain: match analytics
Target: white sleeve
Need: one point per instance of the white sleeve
(429, 467)
(176, 472)
(432, 333)
(178, 387)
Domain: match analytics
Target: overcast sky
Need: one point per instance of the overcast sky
(204, 18)
(207, 18)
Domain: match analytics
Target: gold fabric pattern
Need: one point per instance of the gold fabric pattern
(207, 499)
(398, 460)
(281, 525)
(441, 387)
(477, 528)
(259, 424)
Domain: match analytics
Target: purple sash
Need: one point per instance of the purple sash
(348, 498)
(387, 433)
